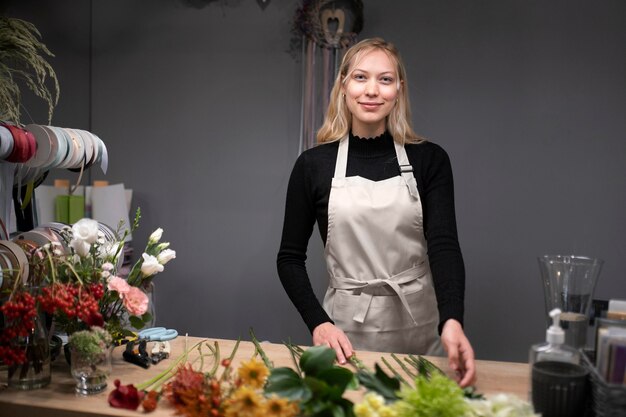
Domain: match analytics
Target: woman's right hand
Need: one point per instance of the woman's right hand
(327, 334)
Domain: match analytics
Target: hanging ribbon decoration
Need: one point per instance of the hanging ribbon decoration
(325, 29)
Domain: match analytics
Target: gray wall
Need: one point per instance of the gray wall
(200, 110)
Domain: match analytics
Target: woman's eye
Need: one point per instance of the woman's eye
(359, 77)
(387, 80)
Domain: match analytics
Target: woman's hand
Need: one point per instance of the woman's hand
(327, 334)
(460, 352)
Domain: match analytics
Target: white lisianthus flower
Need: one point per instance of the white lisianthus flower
(150, 265)
(166, 256)
(156, 236)
(163, 246)
(105, 274)
(85, 230)
(108, 266)
(81, 247)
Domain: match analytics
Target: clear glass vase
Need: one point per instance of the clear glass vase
(35, 372)
(90, 370)
(568, 284)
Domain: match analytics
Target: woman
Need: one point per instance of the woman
(383, 199)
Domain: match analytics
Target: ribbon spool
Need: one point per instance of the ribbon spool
(24, 146)
(41, 148)
(14, 263)
(6, 142)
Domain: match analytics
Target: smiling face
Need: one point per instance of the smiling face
(371, 88)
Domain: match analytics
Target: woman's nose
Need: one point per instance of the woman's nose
(371, 88)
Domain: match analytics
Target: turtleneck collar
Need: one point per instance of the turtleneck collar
(371, 147)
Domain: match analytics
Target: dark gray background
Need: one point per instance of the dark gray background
(199, 107)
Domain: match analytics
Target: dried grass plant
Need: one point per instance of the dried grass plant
(23, 60)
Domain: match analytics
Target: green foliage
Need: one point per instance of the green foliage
(380, 383)
(90, 343)
(438, 396)
(22, 59)
(320, 391)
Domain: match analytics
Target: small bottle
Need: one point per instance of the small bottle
(554, 349)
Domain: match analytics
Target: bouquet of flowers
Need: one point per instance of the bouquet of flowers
(77, 282)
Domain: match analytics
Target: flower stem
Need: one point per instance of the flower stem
(259, 349)
(158, 380)
(394, 372)
(403, 366)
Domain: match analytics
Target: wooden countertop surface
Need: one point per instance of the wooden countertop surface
(59, 399)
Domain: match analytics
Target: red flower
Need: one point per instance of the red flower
(125, 396)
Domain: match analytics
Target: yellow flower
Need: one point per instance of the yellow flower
(280, 407)
(386, 411)
(245, 402)
(363, 410)
(253, 373)
(374, 400)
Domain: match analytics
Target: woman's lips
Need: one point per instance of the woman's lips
(370, 106)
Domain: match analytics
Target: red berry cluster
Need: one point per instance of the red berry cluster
(19, 314)
(73, 300)
(59, 297)
(88, 309)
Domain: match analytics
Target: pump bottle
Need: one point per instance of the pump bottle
(554, 349)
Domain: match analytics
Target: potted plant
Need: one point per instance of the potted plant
(91, 359)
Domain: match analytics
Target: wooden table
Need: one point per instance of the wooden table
(59, 399)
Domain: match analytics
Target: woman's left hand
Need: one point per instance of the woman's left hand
(460, 352)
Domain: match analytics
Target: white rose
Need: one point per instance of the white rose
(166, 256)
(156, 235)
(150, 265)
(109, 250)
(85, 230)
(81, 247)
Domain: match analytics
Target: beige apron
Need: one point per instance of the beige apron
(381, 291)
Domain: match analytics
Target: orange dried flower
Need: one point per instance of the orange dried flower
(149, 402)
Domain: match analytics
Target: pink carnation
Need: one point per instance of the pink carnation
(118, 284)
(135, 301)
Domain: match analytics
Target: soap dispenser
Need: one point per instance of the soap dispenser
(554, 349)
(559, 384)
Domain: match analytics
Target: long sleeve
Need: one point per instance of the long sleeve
(298, 225)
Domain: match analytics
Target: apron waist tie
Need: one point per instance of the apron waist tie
(394, 282)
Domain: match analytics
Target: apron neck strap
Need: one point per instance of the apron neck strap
(342, 158)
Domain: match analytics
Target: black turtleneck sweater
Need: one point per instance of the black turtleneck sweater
(374, 159)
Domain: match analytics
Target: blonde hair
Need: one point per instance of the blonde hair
(339, 119)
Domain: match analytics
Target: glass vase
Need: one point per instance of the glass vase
(35, 371)
(569, 282)
(90, 370)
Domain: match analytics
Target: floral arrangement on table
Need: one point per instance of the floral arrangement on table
(77, 283)
(315, 387)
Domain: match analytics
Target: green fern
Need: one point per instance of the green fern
(23, 59)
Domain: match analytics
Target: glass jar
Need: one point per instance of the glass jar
(35, 371)
(90, 370)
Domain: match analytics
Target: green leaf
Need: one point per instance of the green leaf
(136, 322)
(285, 382)
(317, 359)
(320, 389)
(380, 383)
(337, 377)
(146, 317)
(347, 406)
